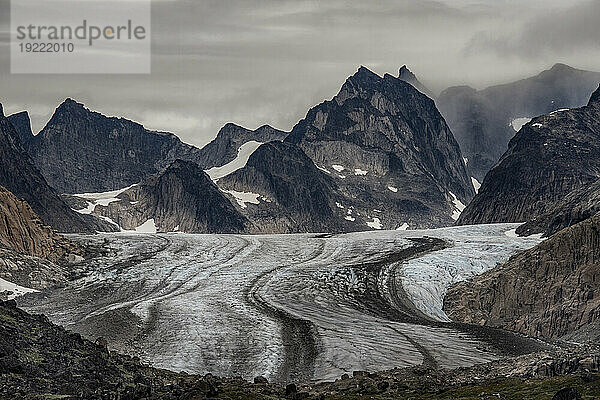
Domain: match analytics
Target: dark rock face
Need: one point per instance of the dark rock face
(550, 157)
(481, 120)
(548, 291)
(293, 195)
(231, 137)
(182, 198)
(577, 206)
(22, 125)
(398, 154)
(23, 179)
(80, 151)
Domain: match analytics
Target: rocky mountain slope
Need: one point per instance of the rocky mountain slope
(281, 191)
(22, 230)
(548, 291)
(81, 151)
(483, 122)
(550, 157)
(182, 198)
(32, 256)
(390, 152)
(22, 124)
(577, 206)
(23, 179)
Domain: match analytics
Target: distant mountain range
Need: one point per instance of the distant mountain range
(379, 155)
(484, 121)
(550, 157)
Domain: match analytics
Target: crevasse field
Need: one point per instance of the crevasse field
(288, 307)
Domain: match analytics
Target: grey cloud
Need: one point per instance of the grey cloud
(257, 62)
(557, 33)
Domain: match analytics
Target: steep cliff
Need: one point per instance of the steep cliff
(24, 180)
(22, 124)
(81, 151)
(577, 206)
(281, 191)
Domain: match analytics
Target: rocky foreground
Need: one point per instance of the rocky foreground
(41, 360)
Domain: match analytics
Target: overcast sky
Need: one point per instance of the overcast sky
(255, 62)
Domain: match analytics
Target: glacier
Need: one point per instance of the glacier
(292, 308)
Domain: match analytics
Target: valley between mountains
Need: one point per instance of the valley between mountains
(392, 243)
(292, 308)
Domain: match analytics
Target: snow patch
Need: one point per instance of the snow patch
(323, 169)
(393, 189)
(338, 168)
(244, 153)
(350, 218)
(147, 227)
(558, 111)
(375, 224)
(16, 290)
(537, 125)
(361, 172)
(244, 197)
(476, 184)
(403, 227)
(466, 160)
(338, 205)
(100, 199)
(518, 123)
(459, 207)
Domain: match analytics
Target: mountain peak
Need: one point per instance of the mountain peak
(69, 103)
(406, 73)
(561, 67)
(364, 74)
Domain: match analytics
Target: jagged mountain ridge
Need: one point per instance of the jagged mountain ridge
(548, 291)
(550, 157)
(397, 153)
(81, 151)
(481, 120)
(407, 76)
(24, 180)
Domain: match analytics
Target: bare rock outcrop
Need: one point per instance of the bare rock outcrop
(550, 291)
(550, 157)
